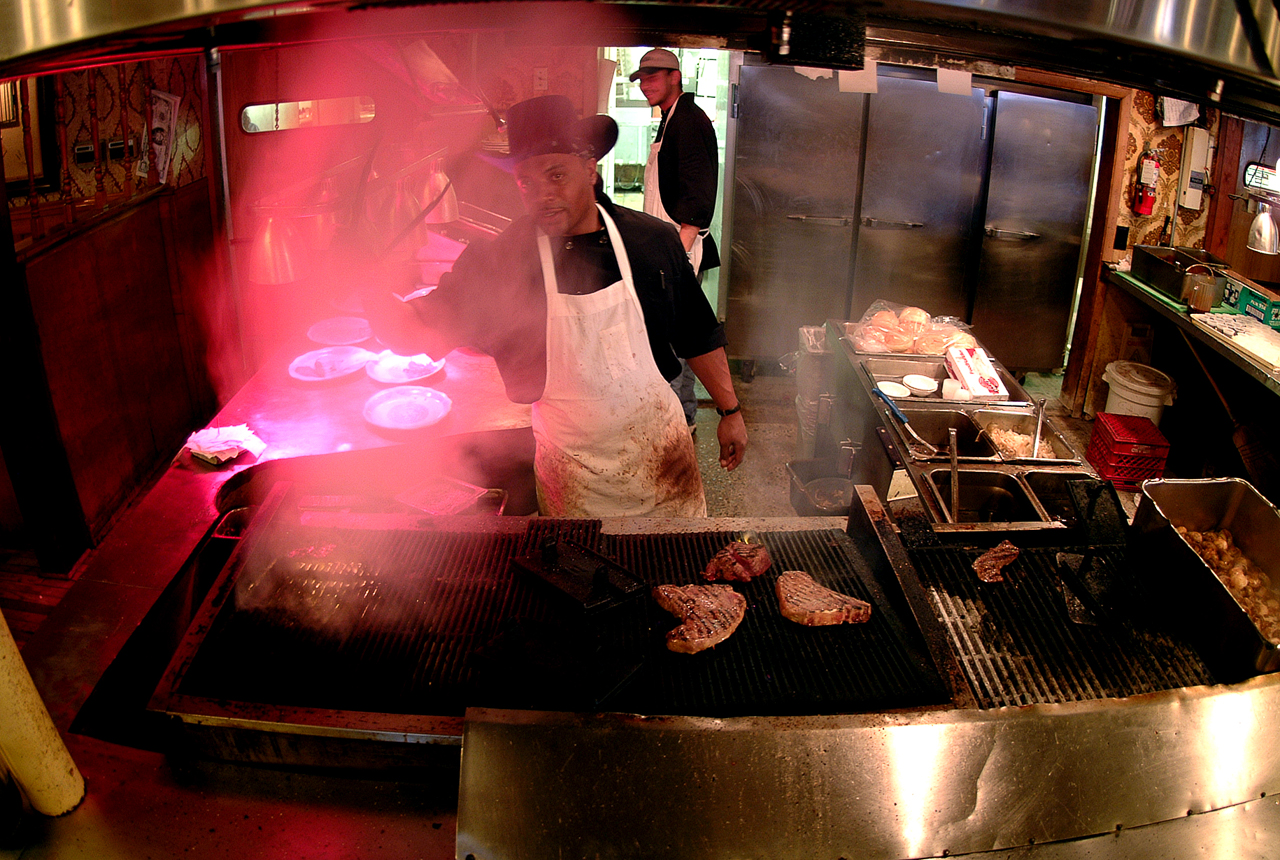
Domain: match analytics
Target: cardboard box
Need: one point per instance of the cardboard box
(1261, 304)
(1231, 292)
(973, 368)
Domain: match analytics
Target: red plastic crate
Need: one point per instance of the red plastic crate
(1129, 434)
(1127, 449)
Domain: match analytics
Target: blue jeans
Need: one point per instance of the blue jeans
(683, 385)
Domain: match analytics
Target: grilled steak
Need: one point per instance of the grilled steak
(989, 565)
(805, 602)
(739, 561)
(709, 612)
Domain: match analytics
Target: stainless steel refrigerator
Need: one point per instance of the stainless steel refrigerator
(970, 206)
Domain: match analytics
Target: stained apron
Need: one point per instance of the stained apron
(611, 436)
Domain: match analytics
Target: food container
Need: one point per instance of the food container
(1136, 389)
(1163, 268)
(919, 384)
(995, 423)
(1200, 289)
(818, 489)
(1187, 594)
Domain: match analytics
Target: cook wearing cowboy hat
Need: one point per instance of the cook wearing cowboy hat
(586, 307)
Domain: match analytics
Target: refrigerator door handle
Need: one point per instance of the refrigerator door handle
(881, 222)
(829, 220)
(997, 233)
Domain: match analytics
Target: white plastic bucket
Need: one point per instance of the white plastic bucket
(1136, 389)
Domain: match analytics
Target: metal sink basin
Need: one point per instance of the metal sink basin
(986, 496)
(994, 421)
(933, 425)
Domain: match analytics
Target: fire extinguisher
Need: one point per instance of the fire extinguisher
(1144, 192)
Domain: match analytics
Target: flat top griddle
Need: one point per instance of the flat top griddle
(432, 622)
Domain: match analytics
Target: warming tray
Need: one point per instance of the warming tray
(1191, 596)
(893, 368)
(933, 425)
(1024, 422)
(996, 498)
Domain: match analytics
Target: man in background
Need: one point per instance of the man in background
(680, 178)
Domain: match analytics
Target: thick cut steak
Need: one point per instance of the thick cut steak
(990, 564)
(805, 602)
(739, 562)
(709, 612)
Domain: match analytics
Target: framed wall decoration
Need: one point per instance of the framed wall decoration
(44, 143)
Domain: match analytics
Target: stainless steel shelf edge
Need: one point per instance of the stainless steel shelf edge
(887, 785)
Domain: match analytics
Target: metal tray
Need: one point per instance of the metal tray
(933, 425)
(1195, 601)
(1162, 268)
(893, 368)
(986, 496)
(1024, 421)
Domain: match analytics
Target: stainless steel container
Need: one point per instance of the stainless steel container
(1195, 601)
(1024, 422)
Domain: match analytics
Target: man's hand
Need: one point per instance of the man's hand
(732, 434)
(688, 235)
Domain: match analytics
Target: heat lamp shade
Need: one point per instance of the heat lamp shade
(1262, 232)
(278, 254)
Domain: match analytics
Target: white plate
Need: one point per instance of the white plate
(406, 407)
(340, 331)
(329, 363)
(894, 389)
(919, 384)
(398, 369)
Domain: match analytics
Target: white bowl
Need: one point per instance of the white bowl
(919, 384)
(894, 389)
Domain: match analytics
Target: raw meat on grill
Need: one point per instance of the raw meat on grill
(739, 561)
(709, 612)
(806, 602)
(990, 564)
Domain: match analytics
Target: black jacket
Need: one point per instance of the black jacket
(494, 301)
(688, 167)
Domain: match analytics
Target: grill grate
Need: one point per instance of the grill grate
(1017, 645)
(447, 623)
(771, 665)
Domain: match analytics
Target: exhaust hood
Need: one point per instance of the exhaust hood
(1207, 51)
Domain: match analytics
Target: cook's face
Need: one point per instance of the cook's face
(558, 190)
(659, 85)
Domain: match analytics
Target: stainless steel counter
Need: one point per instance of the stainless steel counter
(1268, 376)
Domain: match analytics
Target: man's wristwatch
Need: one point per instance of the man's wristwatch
(725, 413)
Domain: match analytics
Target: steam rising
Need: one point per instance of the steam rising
(346, 195)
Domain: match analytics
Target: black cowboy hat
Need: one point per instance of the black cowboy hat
(547, 124)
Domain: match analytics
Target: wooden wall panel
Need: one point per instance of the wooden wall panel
(113, 355)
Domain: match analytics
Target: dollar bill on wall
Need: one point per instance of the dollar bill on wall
(164, 125)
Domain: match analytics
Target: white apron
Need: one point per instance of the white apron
(611, 436)
(653, 195)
